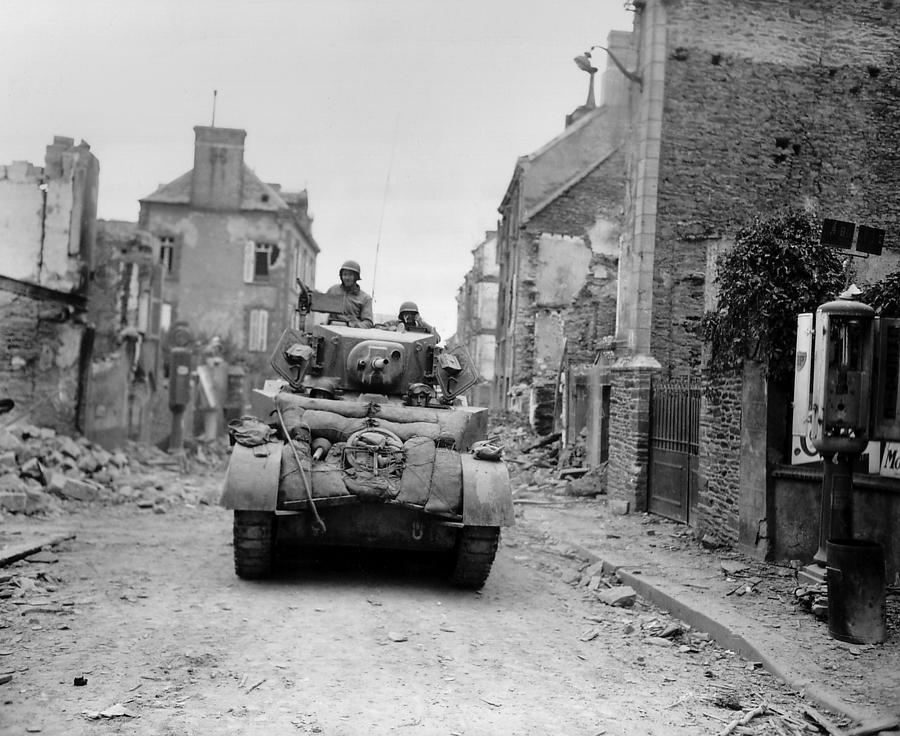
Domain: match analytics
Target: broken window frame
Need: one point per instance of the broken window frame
(259, 257)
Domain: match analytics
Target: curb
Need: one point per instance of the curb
(660, 593)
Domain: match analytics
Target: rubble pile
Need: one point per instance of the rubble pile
(535, 465)
(40, 470)
(814, 599)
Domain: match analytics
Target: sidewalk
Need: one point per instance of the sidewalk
(751, 609)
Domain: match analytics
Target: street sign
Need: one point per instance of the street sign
(838, 233)
(870, 240)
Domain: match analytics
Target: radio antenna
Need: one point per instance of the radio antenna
(387, 181)
(215, 92)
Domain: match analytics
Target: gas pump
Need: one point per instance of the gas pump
(839, 427)
(180, 362)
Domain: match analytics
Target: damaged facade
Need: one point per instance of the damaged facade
(476, 323)
(47, 234)
(232, 247)
(558, 244)
(125, 306)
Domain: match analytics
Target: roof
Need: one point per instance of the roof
(256, 194)
(549, 171)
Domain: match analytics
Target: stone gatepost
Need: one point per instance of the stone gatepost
(629, 429)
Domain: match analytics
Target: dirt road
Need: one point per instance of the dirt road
(146, 608)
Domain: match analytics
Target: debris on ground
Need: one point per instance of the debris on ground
(40, 470)
(114, 711)
(538, 466)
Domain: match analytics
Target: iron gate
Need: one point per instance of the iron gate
(674, 447)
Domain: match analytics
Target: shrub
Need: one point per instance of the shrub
(776, 270)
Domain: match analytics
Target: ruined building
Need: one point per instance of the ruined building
(47, 234)
(558, 247)
(126, 371)
(232, 247)
(476, 322)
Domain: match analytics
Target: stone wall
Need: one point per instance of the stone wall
(40, 361)
(767, 105)
(629, 431)
(720, 451)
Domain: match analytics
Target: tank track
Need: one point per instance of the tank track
(254, 541)
(475, 553)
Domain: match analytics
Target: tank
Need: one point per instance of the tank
(368, 444)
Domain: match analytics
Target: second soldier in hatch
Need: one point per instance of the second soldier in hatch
(409, 320)
(357, 311)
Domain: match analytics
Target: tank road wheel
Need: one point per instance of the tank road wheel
(475, 550)
(254, 543)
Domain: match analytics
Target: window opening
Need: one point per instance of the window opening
(167, 253)
(265, 256)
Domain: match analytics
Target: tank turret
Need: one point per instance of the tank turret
(373, 360)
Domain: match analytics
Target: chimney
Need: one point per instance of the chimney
(217, 180)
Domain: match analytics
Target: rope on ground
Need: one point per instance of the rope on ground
(759, 710)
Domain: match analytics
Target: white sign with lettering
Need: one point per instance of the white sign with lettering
(890, 461)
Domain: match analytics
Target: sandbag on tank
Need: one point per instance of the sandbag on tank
(367, 486)
(331, 426)
(358, 409)
(416, 478)
(411, 430)
(291, 484)
(294, 424)
(328, 481)
(445, 496)
(325, 479)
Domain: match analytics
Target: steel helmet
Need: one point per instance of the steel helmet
(408, 307)
(350, 266)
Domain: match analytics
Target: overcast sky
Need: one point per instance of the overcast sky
(402, 118)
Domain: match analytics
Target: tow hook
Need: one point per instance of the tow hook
(418, 530)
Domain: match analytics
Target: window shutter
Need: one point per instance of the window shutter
(253, 330)
(257, 336)
(249, 261)
(263, 329)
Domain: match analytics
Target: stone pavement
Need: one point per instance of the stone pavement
(745, 605)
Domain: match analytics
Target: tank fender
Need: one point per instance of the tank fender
(251, 481)
(487, 495)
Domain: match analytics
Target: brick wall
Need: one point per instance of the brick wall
(523, 317)
(629, 433)
(40, 352)
(598, 194)
(720, 450)
(592, 315)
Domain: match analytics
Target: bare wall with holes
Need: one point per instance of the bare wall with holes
(770, 104)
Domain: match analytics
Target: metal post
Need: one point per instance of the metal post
(836, 518)
(176, 437)
(836, 513)
(842, 497)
